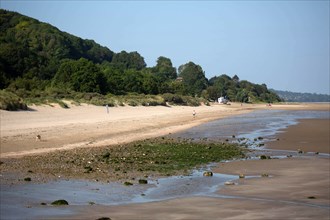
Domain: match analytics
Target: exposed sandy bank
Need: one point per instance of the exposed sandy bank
(309, 135)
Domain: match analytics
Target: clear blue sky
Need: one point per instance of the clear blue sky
(284, 44)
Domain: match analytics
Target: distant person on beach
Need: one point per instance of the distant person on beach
(107, 107)
(194, 113)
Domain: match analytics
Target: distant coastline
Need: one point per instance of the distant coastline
(288, 96)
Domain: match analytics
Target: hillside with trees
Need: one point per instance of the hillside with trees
(302, 97)
(37, 59)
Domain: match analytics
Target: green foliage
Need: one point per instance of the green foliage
(30, 48)
(79, 75)
(132, 60)
(36, 57)
(11, 102)
(239, 91)
(194, 79)
(302, 97)
(164, 69)
(175, 99)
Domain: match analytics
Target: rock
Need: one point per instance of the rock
(60, 202)
(128, 184)
(264, 175)
(143, 181)
(28, 179)
(241, 176)
(207, 173)
(228, 183)
(264, 157)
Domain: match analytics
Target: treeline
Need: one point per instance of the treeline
(36, 56)
(302, 97)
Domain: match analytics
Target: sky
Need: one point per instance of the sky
(284, 44)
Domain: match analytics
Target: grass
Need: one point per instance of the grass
(11, 102)
(14, 100)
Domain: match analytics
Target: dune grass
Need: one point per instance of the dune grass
(11, 102)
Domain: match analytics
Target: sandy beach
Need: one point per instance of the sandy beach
(296, 188)
(88, 125)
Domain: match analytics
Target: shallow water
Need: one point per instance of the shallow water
(24, 201)
(263, 123)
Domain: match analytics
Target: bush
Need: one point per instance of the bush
(11, 102)
(176, 99)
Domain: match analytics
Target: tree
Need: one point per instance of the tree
(194, 79)
(164, 69)
(80, 75)
(132, 60)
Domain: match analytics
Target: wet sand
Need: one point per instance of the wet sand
(309, 135)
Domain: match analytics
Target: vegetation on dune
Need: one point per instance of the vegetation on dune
(10, 101)
(36, 57)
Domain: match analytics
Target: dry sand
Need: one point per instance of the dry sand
(283, 195)
(87, 125)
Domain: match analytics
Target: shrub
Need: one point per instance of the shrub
(11, 102)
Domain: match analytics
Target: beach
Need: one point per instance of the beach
(296, 187)
(88, 125)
